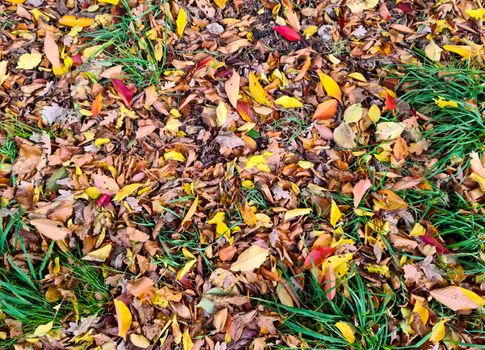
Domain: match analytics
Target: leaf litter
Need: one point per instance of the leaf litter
(231, 175)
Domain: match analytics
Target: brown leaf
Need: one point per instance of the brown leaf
(54, 230)
(457, 298)
(359, 190)
(232, 88)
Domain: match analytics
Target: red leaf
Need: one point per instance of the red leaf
(96, 105)
(440, 248)
(390, 102)
(317, 256)
(245, 111)
(406, 8)
(104, 200)
(288, 33)
(77, 59)
(122, 90)
(384, 12)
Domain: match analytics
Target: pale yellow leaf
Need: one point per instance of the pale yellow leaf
(3, 71)
(293, 213)
(353, 113)
(283, 295)
(29, 60)
(181, 21)
(257, 91)
(174, 155)
(358, 76)
(52, 229)
(252, 258)
(346, 331)
(100, 254)
(232, 88)
(127, 191)
(330, 86)
(140, 341)
(221, 114)
(183, 271)
(389, 130)
(458, 298)
(433, 51)
(358, 6)
(43, 329)
(374, 113)
(335, 214)
(124, 318)
(438, 332)
(344, 136)
(288, 102)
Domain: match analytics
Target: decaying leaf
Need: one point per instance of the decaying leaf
(458, 298)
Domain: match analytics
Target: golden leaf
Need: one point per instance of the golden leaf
(250, 259)
(288, 102)
(330, 86)
(346, 331)
(124, 318)
(181, 21)
(127, 191)
(293, 213)
(257, 92)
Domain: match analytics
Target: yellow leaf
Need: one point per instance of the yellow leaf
(92, 192)
(442, 103)
(338, 263)
(257, 91)
(418, 230)
(181, 21)
(123, 316)
(183, 271)
(330, 86)
(252, 258)
(187, 340)
(139, 341)
(478, 179)
(220, 3)
(346, 331)
(476, 14)
(335, 214)
(374, 113)
(29, 60)
(288, 102)
(310, 31)
(174, 155)
(358, 76)
(473, 297)
(283, 295)
(439, 331)
(100, 254)
(113, 2)
(92, 51)
(353, 113)
(433, 51)
(3, 72)
(380, 269)
(464, 51)
(126, 191)
(293, 213)
(259, 161)
(101, 141)
(43, 329)
(221, 114)
(190, 212)
(422, 311)
(305, 164)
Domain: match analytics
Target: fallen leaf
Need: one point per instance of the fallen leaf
(457, 298)
(257, 91)
(317, 256)
(100, 254)
(29, 60)
(139, 341)
(359, 190)
(283, 295)
(326, 110)
(124, 318)
(288, 33)
(293, 213)
(187, 342)
(54, 230)
(335, 214)
(190, 212)
(433, 51)
(181, 21)
(344, 136)
(96, 105)
(221, 114)
(252, 258)
(122, 90)
(438, 332)
(374, 113)
(353, 113)
(330, 86)
(232, 88)
(127, 191)
(389, 130)
(43, 329)
(346, 331)
(288, 102)
(338, 263)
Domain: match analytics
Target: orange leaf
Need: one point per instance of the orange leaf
(96, 105)
(326, 110)
(359, 190)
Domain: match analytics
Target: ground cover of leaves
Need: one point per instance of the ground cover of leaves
(215, 174)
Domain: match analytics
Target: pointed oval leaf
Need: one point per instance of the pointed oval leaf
(346, 331)
(124, 318)
(122, 90)
(232, 88)
(257, 92)
(458, 298)
(330, 85)
(326, 110)
(250, 259)
(288, 33)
